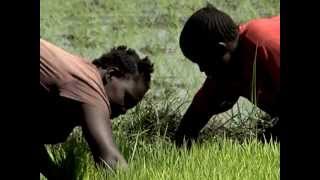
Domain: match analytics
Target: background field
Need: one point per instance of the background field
(91, 27)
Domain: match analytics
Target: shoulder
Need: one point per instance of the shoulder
(87, 87)
(75, 77)
(264, 35)
(261, 24)
(263, 30)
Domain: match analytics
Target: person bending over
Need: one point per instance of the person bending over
(227, 53)
(75, 92)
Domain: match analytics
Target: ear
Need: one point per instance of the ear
(114, 71)
(221, 48)
(222, 44)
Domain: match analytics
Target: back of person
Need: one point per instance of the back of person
(265, 33)
(66, 80)
(260, 42)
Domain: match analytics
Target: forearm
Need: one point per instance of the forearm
(98, 132)
(195, 119)
(104, 150)
(191, 124)
(207, 102)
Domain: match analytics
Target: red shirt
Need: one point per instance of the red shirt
(259, 40)
(264, 34)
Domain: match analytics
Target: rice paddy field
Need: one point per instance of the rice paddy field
(227, 150)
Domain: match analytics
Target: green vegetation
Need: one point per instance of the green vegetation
(91, 27)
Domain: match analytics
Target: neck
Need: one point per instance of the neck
(242, 67)
(102, 73)
(233, 67)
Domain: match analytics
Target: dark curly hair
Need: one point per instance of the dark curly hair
(127, 60)
(204, 29)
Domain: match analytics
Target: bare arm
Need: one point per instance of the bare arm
(97, 129)
(208, 101)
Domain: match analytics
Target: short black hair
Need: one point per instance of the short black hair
(127, 60)
(205, 28)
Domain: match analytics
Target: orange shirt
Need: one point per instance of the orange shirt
(66, 79)
(73, 76)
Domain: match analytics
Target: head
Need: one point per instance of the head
(126, 78)
(209, 39)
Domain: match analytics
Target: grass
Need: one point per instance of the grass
(208, 161)
(217, 158)
(91, 27)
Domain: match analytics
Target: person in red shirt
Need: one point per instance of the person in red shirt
(227, 53)
(75, 92)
